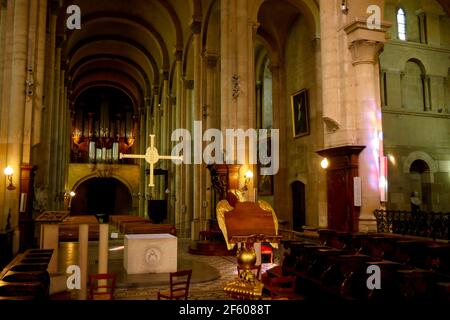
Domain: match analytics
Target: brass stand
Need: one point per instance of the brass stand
(247, 286)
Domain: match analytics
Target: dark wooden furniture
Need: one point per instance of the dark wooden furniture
(179, 286)
(26, 276)
(102, 286)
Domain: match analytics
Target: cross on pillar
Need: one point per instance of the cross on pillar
(151, 156)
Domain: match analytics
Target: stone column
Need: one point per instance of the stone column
(39, 67)
(163, 141)
(197, 205)
(142, 164)
(426, 92)
(155, 129)
(6, 40)
(54, 131)
(42, 152)
(188, 170)
(365, 47)
(331, 77)
(178, 125)
(281, 195)
(237, 72)
(209, 115)
(16, 107)
(29, 82)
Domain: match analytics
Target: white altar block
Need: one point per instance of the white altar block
(150, 253)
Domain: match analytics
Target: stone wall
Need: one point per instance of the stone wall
(303, 162)
(416, 107)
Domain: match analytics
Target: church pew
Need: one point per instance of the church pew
(124, 224)
(70, 232)
(116, 221)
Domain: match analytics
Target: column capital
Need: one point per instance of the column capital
(178, 53)
(365, 51)
(366, 42)
(211, 58)
(196, 26)
(165, 74)
(274, 67)
(254, 25)
(189, 84)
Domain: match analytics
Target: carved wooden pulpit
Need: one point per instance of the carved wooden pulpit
(245, 223)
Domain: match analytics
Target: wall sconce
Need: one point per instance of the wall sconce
(344, 7)
(324, 163)
(9, 173)
(248, 176)
(68, 196)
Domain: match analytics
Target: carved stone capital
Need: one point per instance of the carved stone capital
(211, 58)
(274, 67)
(365, 51)
(196, 26)
(189, 84)
(165, 74)
(178, 54)
(366, 41)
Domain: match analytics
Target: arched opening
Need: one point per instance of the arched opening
(419, 182)
(413, 86)
(298, 205)
(101, 196)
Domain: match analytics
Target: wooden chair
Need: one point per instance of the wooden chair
(179, 286)
(102, 286)
(255, 269)
(281, 287)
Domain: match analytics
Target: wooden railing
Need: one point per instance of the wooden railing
(433, 225)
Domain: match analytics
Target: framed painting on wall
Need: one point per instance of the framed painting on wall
(300, 113)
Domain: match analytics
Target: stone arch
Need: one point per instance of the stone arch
(413, 85)
(419, 155)
(102, 195)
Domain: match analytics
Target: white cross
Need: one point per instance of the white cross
(151, 156)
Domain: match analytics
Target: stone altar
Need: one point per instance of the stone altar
(150, 253)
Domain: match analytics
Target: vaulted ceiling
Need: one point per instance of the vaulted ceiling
(130, 45)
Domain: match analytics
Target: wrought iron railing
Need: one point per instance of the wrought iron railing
(422, 224)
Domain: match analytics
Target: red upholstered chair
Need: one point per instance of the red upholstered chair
(267, 250)
(179, 286)
(102, 286)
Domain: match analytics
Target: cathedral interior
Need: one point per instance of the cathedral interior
(310, 135)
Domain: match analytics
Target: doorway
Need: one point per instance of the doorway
(298, 205)
(420, 182)
(101, 196)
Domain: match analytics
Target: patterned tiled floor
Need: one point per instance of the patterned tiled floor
(210, 273)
